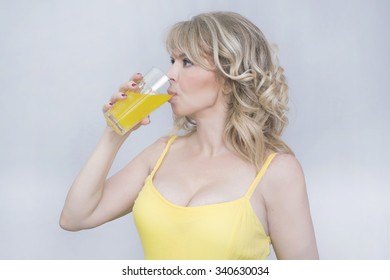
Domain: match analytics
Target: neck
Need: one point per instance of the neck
(210, 127)
(208, 138)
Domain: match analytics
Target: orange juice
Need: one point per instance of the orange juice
(125, 114)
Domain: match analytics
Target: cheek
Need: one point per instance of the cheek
(200, 83)
(190, 82)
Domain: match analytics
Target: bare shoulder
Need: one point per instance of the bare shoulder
(288, 211)
(157, 147)
(151, 153)
(285, 167)
(284, 175)
(159, 144)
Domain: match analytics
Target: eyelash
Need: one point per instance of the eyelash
(186, 62)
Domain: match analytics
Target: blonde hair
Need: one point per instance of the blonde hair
(237, 50)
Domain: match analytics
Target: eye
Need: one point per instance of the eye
(172, 61)
(187, 62)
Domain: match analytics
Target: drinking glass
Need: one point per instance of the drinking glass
(150, 95)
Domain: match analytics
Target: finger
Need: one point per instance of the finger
(122, 94)
(117, 96)
(136, 77)
(145, 120)
(132, 85)
(107, 106)
(133, 81)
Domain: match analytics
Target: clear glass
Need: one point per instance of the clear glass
(127, 113)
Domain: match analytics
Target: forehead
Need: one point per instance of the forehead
(178, 54)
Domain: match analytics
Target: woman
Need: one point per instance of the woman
(229, 186)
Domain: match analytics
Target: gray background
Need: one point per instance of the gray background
(61, 60)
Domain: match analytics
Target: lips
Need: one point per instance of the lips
(172, 94)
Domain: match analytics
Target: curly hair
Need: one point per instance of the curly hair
(256, 89)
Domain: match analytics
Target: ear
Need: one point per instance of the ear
(226, 86)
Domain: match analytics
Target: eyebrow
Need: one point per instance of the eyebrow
(180, 55)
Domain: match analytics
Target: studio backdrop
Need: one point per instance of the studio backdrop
(60, 61)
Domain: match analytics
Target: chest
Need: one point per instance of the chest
(218, 231)
(194, 181)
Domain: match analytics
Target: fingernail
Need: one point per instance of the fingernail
(133, 84)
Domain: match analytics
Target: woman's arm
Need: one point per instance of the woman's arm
(288, 213)
(92, 200)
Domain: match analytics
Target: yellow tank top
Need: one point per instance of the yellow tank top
(228, 230)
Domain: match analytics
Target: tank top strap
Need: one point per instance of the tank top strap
(162, 156)
(259, 175)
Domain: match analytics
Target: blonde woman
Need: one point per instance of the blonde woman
(228, 187)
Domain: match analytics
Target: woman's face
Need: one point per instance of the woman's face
(194, 89)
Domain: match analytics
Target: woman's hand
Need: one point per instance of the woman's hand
(122, 94)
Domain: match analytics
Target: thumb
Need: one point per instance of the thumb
(146, 120)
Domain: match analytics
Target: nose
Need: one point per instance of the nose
(172, 73)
